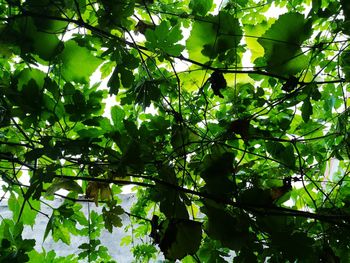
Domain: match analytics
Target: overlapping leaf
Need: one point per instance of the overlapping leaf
(78, 62)
(282, 44)
(164, 38)
(213, 36)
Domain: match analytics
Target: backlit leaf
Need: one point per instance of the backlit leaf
(66, 184)
(78, 62)
(282, 44)
(211, 37)
(27, 216)
(165, 37)
(201, 7)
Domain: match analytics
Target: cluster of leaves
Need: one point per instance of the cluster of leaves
(242, 152)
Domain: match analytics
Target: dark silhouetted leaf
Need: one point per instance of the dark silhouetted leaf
(217, 171)
(241, 127)
(180, 237)
(345, 63)
(284, 154)
(218, 82)
(112, 218)
(306, 110)
(290, 84)
(232, 231)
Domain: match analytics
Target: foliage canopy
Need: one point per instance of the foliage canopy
(231, 124)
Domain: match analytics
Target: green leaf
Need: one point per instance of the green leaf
(216, 173)
(118, 116)
(62, 183)
(31, 74)
(201, 7)
(231, 230)
(30, 37)
(345, 63)
(282, 44)
(65, 211)
(146, 92)
(130, 61)
(119, 76)
(165, 37)
(171, 204)
(59, 232)
(90, 133)
(111, 217)
(281, 153)
(127, 77)
(294, 246)
(106, 69)
(13, 247)
(114, 82)
(116, 12)
(27, 215)
(49, 227)
(288, 156)
(198, 133)
(306, 110)
(213, 35)
(78, 62)
(316, 4)
(315, 93)
(211, 252)
(102, 122)
(218, 82)
(180, 238)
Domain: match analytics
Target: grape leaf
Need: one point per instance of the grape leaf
(282, 44)
(218, 82)
(112, 218)
(180, 237)
(78, 62)
(201, 7)
(306, 110)
(213, 35)
(164, 38)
